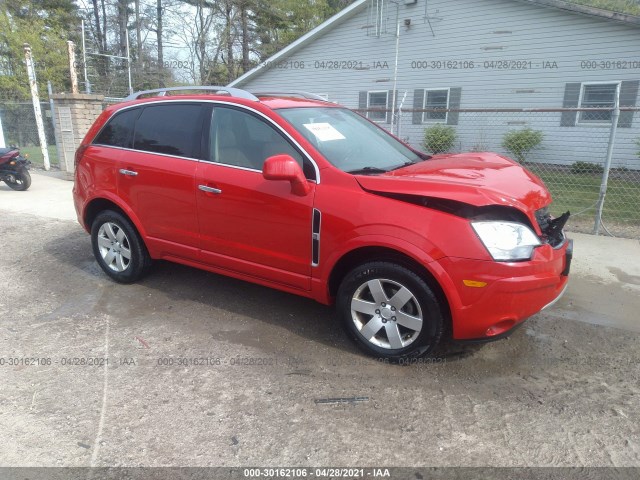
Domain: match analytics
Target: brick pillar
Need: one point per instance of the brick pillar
(74, 115)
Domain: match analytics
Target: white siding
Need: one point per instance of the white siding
(464, 29)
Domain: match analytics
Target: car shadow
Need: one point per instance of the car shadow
(301, 316)
(230, 298)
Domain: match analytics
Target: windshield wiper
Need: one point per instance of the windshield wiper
(366, 170)
(406, 164)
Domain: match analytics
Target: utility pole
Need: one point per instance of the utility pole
(615, 115)
(33, 84)
(395, 77)
(129, 65)
(394, 101)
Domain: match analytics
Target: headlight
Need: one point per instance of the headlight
(507, 240)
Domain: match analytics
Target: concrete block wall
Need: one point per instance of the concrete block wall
(74, 114)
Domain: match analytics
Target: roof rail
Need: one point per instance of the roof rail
(291, 93)
(161, 92)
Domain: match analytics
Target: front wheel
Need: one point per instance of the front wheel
(389, 311)
(19, 181)
(118, 247)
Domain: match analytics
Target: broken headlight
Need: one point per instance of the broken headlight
(507, 241)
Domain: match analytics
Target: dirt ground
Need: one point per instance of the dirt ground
(275, 381)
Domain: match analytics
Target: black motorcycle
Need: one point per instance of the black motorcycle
(14, 169)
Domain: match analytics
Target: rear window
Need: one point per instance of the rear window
(173, 129)
(119, 129)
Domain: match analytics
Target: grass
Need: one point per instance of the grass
(625, 6)
(35, 154)
(579, 192)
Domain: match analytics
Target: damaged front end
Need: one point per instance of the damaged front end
(552, 228)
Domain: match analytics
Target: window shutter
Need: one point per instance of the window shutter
(571, 99)
(455, 95)
(628, 96)
(362, 102)
(418, 103)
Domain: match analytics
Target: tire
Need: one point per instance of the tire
(118, 248)
(21, 180)
(385, 325)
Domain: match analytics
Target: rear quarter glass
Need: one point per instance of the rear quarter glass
(118, 131)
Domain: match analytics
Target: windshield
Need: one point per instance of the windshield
(348, 141)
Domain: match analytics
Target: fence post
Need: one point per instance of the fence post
(615, 114)
(71, 52)
(2, 144)
(33, 84)
(56, 133)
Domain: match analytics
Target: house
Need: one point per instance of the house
(458, 58)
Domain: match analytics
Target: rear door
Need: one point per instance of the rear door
(103, 156)
(157, 176)
(249, 224)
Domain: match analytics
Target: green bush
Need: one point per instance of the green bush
(520, 142)
(439, 138)
(586, 167)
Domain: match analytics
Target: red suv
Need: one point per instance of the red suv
(292, 192)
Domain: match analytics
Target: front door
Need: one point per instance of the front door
(248, 224)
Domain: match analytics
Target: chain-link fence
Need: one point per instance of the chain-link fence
(568, 148)
(19, 129)
(591, 169)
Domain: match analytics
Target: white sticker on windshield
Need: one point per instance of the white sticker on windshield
(324, 132)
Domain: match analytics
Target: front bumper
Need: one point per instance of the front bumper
(492, 298)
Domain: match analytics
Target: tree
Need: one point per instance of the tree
(280, 22)
(244, 6)
(100, 37)
(45, 25)
(123, 22)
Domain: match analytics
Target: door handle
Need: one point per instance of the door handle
(204, 188)
(129, 173)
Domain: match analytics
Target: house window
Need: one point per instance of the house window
(379, 100)
(438, 101)
(597, 95)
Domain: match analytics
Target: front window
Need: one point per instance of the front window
(599, 95)
(437, 102)
(347, 140)
(377, 100)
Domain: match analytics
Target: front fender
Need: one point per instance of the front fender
(424, 256)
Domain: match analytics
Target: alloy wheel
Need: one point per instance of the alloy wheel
(114, 247)
(386, 313)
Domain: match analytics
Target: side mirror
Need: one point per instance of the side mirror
(284, 167)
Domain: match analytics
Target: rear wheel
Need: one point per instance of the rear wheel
(118, 248)
(390, 311)
(19, 181)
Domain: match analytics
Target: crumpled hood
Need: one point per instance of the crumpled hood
(478, 179)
